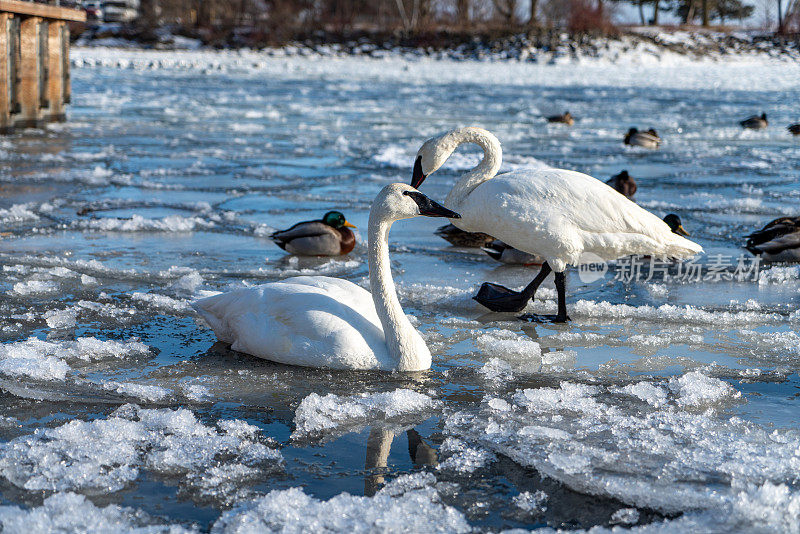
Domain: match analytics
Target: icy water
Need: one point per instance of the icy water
(662, 401)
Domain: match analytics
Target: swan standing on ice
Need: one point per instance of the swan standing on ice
(318, 321)
(554, 213)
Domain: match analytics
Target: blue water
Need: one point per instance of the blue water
(235, 154)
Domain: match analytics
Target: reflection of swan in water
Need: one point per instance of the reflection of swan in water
(379, 444)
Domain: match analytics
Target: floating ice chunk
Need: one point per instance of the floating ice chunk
(696, 389)
(463, 458)
(69, 512)
(45, 360)
(137, 223)
(593, 441)
(531, 503)
(646, 391)
(779, 275)
(34, 287)
(145, 392)
(226, 483)
(107, 454)
(625, 516)
(61, 318)
(401, 506)
(434, 295)
(671, 313)
(162, 302)
(20, 362)
(196, 392)
(18, 213)
(658, 290)
(88, 281)
(569, 396)
(497, 370)
(188, 283)
(508, 344)
(316, 413)
(499, 404)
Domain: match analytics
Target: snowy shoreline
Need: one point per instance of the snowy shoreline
(669, 70)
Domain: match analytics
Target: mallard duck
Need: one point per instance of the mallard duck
(460, 238)
(755, 122)
(329, 236)
(648, 139)
(507, 254)
(564, 118)
(624, 183)
(674, 223)
(794, 129)
(779, 240)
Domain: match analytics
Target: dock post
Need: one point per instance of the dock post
(30, 91)
(55, 74)
(5, 73)
(34, 62)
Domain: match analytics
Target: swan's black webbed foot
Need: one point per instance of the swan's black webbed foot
(500, 298)
(544, 318)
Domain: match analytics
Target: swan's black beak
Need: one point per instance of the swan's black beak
(417, 177)
(429, 208)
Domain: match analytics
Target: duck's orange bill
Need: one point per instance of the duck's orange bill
(347, 224)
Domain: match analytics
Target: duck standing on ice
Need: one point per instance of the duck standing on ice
(554, 213)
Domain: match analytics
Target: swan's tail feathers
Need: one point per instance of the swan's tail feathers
(212, 310)
(681, 248)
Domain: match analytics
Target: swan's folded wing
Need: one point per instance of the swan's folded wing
(310, 321)
(563, 213)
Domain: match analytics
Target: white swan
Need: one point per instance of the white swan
(318, 321)
(554, 213)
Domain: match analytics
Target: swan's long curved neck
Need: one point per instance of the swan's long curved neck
(399, 333)
(485, 170)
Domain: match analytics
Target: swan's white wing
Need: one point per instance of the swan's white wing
(313, 321)
(560, 214)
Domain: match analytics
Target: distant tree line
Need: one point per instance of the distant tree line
(280, 20)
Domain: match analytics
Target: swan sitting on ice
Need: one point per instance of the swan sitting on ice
(554, 213)
(318, 321)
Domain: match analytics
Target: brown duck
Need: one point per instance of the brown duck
(624, 183)
(779, 240)
(329, 236)
(648, 139)
(755, 122)
(459, 238)
(564, 118)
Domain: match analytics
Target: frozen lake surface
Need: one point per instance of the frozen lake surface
(662, 401)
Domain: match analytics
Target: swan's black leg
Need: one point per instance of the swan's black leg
(502, 299)
(561, 280)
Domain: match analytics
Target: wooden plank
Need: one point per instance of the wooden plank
(55, 76)
(5, 74)
(46, 11)
(29, 114)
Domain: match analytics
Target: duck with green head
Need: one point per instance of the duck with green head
(329, 236)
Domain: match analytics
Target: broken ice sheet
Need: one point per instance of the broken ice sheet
(331, 414)
(652, 454)
(106, 455)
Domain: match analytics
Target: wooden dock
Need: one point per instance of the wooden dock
(34, 63)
